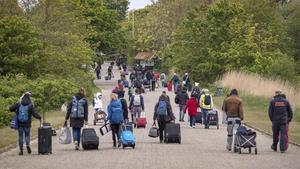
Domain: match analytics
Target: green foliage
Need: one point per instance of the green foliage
(120, 6)
(48, 94)
(19, 46)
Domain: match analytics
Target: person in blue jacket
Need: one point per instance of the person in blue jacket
(115, 118)
(280, 113)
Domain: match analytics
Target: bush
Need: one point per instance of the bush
(48, 94)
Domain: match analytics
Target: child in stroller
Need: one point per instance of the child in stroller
(244, 138)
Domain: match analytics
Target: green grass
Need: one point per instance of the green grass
(256, 114)
(9, 136)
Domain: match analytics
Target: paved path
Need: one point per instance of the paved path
(200, 148)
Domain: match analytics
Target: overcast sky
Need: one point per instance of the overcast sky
(137, 4)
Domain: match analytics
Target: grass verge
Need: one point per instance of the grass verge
(256, 114)
(9, 137)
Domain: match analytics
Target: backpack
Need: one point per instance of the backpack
(207, 100)
(137, 100)
(23, 115)
(162, 108)
(177, 99)
(77, 110)
(116, 115)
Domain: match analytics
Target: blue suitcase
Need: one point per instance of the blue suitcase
(127, 138)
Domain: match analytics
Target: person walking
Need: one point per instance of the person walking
(181, 99)
(163, 78)
(115, 118)
(206, 104)
(78, 113)
(136, 105)
(233, 106)
(196, 91)
(124, 106)
(24, 110)
(192, 106)
(187, 82)
(98, 72)
(175, 79)
(97, 102)
(280, 114)
(163, 114)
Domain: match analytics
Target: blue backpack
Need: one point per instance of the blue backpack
(23, 115)
(207, 100)
(77, 110)
(162, 108)
(116, 115)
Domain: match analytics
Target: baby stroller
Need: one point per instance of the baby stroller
(213, 118)
(244, 138)
(99, 117)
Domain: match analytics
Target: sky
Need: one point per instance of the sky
(137, 4)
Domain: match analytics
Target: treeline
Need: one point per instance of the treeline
(208, 38)
(49, 46)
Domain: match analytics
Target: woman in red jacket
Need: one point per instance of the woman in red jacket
(192, 105)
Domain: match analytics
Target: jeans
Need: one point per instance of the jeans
(204, 113)
(192, 121)
(175, 87)
(21, 131)
(233, 124)
(76, 134)
(279, 127)
(181, 113)
(162, 127)
(115, 128)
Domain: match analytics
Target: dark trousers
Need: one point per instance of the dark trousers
(21, 132)
(279, 127)
(162, 127)
(115, 128)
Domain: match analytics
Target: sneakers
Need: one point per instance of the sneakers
(76, 145)
(194, 126)
(21, 153)
(228, 148)
(273, 148)
(28, 149)
(119, 144)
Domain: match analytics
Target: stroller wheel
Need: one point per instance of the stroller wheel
(240, 150)
(249, 150)
(255, 150)
(235, 149)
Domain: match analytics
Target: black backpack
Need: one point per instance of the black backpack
(207, 100)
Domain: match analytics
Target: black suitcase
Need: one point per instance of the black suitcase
(89, 139)
(199, 117)
(45, 139)
(172, 133)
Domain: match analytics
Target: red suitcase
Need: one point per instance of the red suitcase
(169, 86)
(141, 122)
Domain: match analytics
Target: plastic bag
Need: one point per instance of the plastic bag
(65, 136)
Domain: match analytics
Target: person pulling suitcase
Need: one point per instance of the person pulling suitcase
(24, 109)
(78, 114)
(163, 114)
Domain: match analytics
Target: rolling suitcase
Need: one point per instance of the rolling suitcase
(199, 117)
(141, 122)
(89, 139)
(172, 133)
(126, 137)
(45, 139)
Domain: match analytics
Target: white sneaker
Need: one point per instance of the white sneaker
(76, 145)
(194, 126)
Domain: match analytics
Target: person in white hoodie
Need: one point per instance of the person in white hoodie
(97, 102)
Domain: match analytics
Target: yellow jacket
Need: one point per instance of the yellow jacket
(203, 105)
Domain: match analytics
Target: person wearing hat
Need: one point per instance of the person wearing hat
(206, 104)
(24, 110)
(233, 107)
(280, 114)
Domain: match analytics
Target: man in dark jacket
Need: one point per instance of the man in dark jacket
(24, 110)
(181, 99)
(78, 113)
(124, 106)
(163, 119)
(280, 113)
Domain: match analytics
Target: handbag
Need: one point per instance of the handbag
(153, 132)
(65, 135)
(105, 129)
(14, 123)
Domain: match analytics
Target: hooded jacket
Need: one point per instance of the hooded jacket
(280, 110)
(25, 101)
(78, 122)
(182, 97)
(164, 118)
(192, 106)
